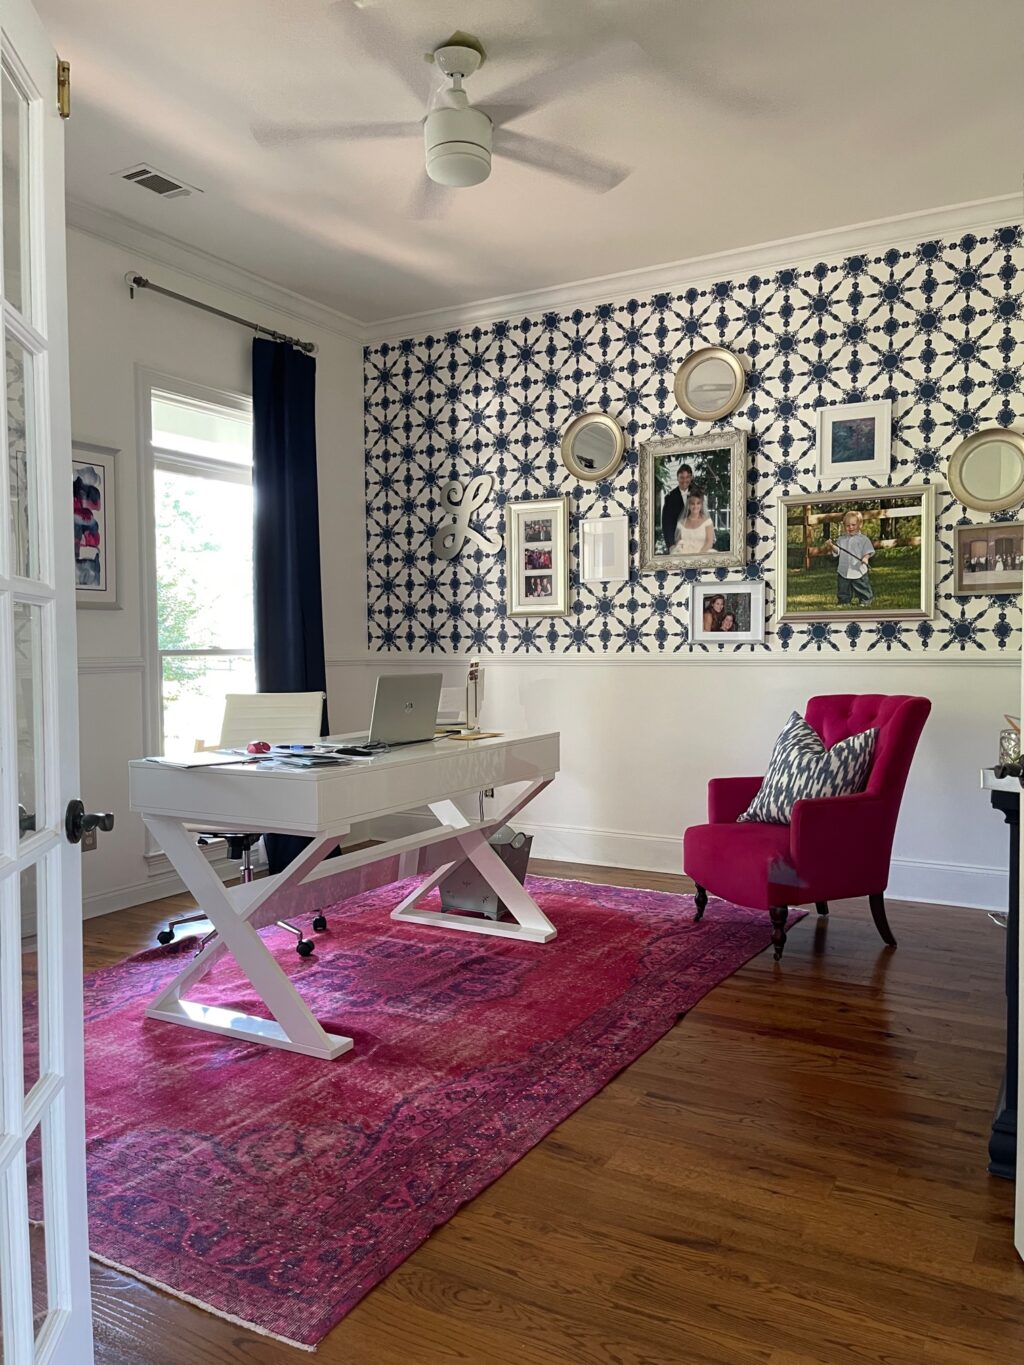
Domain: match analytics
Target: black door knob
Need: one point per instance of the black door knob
(78, 822)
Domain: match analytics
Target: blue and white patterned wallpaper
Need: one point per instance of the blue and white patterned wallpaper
(938, 328)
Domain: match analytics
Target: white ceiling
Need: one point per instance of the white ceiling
(742, 121)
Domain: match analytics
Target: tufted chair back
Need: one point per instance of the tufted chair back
(899, 721)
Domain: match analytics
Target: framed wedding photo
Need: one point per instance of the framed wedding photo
(692, 502)
(537, 557)
(855, 440)
(727, 613)
(988, 559)
(856, 556)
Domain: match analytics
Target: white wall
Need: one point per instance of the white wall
(110, 336)
(640, 740)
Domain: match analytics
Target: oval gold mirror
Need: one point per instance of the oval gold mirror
(709, 384)
(593, 446)
(986, 472)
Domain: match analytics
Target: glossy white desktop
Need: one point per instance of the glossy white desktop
(425, 806)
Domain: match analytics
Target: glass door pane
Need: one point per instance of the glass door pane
(21, 460)
(28, 708)
(15, 198)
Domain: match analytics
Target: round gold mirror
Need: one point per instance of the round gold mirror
(709, 384)
(986, 472)
(593, 446)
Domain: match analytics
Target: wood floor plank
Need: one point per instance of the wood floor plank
(794, 1175)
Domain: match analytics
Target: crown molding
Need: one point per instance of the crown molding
(905, 229)
(208, 269)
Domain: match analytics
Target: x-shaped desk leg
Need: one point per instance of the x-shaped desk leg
(293, 1026)
(528, 919)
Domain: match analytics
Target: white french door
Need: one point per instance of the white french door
(44, 1269)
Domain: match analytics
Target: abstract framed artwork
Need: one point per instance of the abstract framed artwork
(692, 503)
(855, 440)
(537, 557)
(856, 556)
(727, 613)
(94, 502)
(988, 559)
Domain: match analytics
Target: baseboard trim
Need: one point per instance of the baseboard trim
(974, 887)
(152, 889)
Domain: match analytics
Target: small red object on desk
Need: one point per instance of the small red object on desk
(257, 746)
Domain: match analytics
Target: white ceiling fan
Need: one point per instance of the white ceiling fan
(460, 138)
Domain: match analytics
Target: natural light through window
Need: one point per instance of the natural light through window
(202, 496)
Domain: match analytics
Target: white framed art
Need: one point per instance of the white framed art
(604, 549)
(537, 557)
(727, 613)
(94, 503)
(855, 440)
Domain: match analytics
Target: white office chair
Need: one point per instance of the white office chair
(276, 718)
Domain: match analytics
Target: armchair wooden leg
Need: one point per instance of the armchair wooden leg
(877, 903)
(700, 900)
(779, 914)
(821, 907)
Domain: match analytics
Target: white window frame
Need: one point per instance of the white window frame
(148, 382)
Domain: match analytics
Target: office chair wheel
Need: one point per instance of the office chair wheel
(165, 936)
(320, 923)
(304, 947)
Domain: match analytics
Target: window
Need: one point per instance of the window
(202, 540)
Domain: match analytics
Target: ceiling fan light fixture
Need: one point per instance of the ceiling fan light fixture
(458, 146)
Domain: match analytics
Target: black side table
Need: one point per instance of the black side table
(1002, 1144)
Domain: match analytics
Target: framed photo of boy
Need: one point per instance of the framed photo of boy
(988, 559)
(537, 557)
(856, 556)
(692, 502)
(727, 613)
(855, 440)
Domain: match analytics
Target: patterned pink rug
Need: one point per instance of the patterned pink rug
(277, 1189)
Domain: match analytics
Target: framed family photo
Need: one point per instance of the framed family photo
(692, 502)
(988, 559)
(94, 498)
(727, 613)
(857, 556)
(855, 440)
(537, 557)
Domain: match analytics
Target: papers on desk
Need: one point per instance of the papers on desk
(204, 758)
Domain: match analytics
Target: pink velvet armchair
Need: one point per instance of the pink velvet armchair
(834, 847)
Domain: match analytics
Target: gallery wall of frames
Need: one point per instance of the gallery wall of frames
(784, 491)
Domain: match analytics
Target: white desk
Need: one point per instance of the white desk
(424, 804)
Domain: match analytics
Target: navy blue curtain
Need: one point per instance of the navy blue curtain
(286, 536)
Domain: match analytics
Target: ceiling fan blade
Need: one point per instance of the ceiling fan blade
(369, 30)
(555, 81)
(594, 175)
(428, 201)
(279, 134)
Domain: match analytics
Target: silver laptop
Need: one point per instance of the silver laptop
(405, 708)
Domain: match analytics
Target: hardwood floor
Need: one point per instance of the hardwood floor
(795, 1175)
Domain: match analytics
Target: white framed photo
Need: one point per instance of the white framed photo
(94, 503)
(604, 549)
(537, 557)
(855, 440)
(727, 613)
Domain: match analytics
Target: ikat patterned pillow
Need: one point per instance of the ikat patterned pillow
(801, 766)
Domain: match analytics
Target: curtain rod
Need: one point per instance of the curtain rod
(140, 282)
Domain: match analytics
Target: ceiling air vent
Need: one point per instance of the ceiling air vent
(163, 185)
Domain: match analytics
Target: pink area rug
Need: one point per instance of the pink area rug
(277, 1189)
